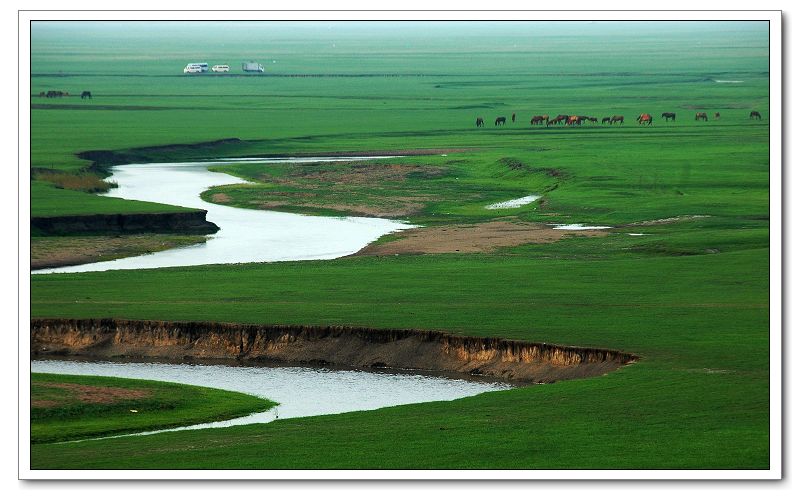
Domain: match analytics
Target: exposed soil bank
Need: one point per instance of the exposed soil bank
(338, 345)
(172, 222)
(471, 238)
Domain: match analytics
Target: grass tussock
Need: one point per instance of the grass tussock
(83, 181)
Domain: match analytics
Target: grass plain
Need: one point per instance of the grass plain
(70, 407)
(691, 296)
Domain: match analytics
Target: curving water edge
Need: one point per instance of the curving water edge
(246, 235)
(300, 391)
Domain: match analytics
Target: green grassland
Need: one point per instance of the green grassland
(691, 296)
(70, 407)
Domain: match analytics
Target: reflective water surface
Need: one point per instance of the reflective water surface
(245, 235)
(301, 391)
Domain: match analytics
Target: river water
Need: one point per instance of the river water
(301, 391)
(245, 235)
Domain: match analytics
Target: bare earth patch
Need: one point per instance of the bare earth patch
(220, 198)
(59, 251)
(88, 394)
(472, 238)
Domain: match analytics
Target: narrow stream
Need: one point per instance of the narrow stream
(245, 235)
(301, 391)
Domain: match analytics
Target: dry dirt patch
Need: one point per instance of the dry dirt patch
(88, 394)
(472, 238)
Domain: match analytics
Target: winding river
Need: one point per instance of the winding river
(300, 391)
(245, 235)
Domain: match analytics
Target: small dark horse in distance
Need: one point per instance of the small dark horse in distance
(617, 119)
(700, 116)
(668, 116)
(716, 116)
(500, 120)
(645, 118)
(755, 114)
(86, 94)
(605, 120)
(513, 117)
(479, 122)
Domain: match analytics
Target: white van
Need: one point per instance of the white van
(196, 68)
(220, 68)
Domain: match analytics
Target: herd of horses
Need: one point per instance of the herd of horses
(60, 93)
(575, 120)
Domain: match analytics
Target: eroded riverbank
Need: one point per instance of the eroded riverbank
(333, 345)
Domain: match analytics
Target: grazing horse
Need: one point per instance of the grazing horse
(592, 119)
(561, 118)
(617, 118)
(86, 94)
(606, 119)
(668, 116)
(755, 114)
(716, 116)
(574, 120)
(538, 120)
(500, 120)
(552, 122)
(513, 117)
(645, 118)
(479, 122)
(700, 116)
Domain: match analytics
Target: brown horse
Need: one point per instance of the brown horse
(500, 120)
(479, 122)
(755, 114)
(606, 119)
(645, 118)
(561, 118)
(574, 120)
(617, 118)
(668, 116)
(538, 120)
(552, 122)
(700, 116)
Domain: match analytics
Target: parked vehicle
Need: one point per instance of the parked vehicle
(220, 68)
(252, 67)
(196, 68)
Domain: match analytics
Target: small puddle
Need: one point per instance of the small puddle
(577, 227)
(301, 391)
(515, 203)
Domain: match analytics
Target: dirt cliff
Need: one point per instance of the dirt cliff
(193, 222)
(335, 345)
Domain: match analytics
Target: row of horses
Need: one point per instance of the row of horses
(59, 93)
(573, 120)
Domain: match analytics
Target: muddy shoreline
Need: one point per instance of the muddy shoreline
(345, 346)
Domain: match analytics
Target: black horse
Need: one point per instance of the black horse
(513, 117)
(755, 114)
(479, 122)
(607, 119)
(500, 120)
(86, 94)
(668, 116)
